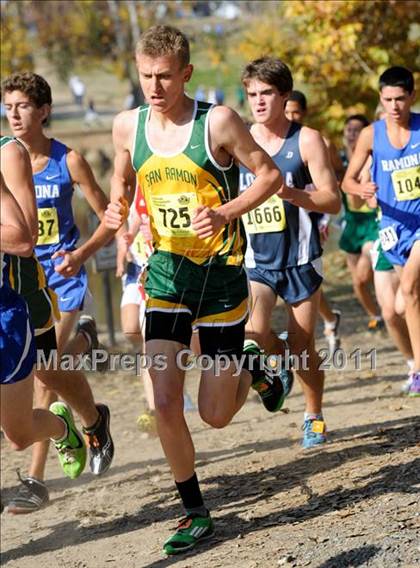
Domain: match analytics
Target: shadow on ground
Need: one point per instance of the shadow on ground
(248, 488)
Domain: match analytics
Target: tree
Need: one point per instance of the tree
(16, 45)
(337, 50)
(87, 33)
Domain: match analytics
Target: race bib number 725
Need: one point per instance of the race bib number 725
(173, 213)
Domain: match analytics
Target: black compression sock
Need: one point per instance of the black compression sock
(94, 426)
(191, 497)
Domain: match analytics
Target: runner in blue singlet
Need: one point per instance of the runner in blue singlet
(394, 144)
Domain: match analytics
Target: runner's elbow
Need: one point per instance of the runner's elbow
(335, 205)
(24, 248)
(345, 184)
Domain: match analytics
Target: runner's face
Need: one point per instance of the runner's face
(294, 112)
(352, 132)
(265, 101)
(397, 103)
(23, 115)
(162, 80)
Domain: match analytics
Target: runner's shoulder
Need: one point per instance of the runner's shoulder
(13, 147)
(366, 137)
(126, 118)
(221, 115)
(124, 125)
(310, 137)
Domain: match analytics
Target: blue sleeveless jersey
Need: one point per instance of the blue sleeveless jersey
(54, 192)
(396, 172)
(281, 235)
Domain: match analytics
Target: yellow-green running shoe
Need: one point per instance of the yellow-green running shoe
(71, 450)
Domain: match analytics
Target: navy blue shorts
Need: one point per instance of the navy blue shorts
(293, 284)
(17, 345)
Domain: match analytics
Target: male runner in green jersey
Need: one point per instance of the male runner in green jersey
(184, 156)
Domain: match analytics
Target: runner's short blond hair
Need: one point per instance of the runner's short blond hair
(164, 40)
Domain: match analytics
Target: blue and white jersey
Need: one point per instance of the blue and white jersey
(54, 192)
(396, 172)
(281, 235)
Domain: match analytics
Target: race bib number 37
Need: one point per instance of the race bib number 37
(268, 217)
(48, 232)
(406, 183)
(173, 214)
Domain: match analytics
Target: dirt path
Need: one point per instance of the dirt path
(354, 503)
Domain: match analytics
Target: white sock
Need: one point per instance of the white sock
(312, 416)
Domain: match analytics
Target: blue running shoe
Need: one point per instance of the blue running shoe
(414, 388)
(314, 432)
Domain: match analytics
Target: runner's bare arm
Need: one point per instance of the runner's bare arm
(324, 198)
(17, 172)
(364, 177)
(361, 154)
(82, 175)
(124, 241)
(15, 237)
(228, 132)
(336, 162)
(123, 180)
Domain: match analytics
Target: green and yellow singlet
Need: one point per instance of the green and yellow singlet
(28, 279)
(174, 185)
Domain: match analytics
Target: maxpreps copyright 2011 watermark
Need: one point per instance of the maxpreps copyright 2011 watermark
(186, 360)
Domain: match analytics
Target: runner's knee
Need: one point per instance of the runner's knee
(19, 439)
(299, 342)
(168, 406)
(389, 314)
(410, 289)
(262, 337)
(214, 417)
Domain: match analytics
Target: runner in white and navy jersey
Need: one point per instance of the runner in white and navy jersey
(394, 144)
(284, 250)
(295, 111)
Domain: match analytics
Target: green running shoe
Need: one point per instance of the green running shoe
(272, 385)
(71, 450)
(191, 529)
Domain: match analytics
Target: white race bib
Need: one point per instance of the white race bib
(388, 238)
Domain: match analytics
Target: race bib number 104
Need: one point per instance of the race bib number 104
(406, 183)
